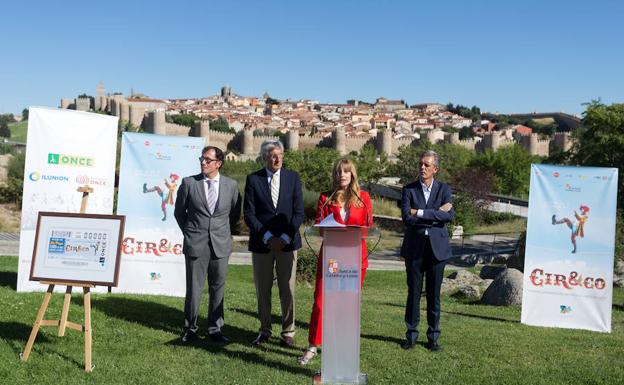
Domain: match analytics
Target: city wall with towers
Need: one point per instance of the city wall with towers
(151, 118)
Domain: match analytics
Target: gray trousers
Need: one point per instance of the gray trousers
(197, 268)
(285, 263)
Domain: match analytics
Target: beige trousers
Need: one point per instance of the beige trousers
(285, 265)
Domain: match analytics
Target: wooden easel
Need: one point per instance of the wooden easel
(63, 323)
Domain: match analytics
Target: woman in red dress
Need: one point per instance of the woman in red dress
(348, 205)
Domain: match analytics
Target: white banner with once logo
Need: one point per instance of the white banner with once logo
(65, 150)
(568, 268)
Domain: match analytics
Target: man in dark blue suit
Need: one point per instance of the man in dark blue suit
(426, 209)
(273, 212)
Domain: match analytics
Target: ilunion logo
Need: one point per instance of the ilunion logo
(35, 176)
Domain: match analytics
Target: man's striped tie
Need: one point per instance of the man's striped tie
(274, 189)
(212, 195)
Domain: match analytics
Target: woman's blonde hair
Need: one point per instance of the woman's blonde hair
(351, 197)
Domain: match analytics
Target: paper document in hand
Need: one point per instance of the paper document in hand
(330, 221)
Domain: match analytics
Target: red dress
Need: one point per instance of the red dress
(357, 216)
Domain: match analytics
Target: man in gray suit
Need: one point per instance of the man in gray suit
(206, 205)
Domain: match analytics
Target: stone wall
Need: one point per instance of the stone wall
(245, 143)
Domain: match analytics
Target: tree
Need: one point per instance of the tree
(600, 143)
(370, 169)
(314, 166)
(183, 119)
(5, 132)
(25, 114)
(511, 166)
(471, 189)
(466, 133)
(220, 124)
(546, 129)
(406, 167)
(7, 118)
(473, 113)
(453, 158)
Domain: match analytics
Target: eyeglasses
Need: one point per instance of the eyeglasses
(206, 159)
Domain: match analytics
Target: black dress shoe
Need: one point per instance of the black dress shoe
(220, 338)
(260, 339)
(433, 346)
(288, 342)
(407, 344)
(189, 337)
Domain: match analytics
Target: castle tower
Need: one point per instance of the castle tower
(124, 111)
(156, 123)
(248, 141)
(136, 113)
(562, 141)
(65, 103)
(430, 136)
(201, 129)
(384, 142)
(114, 107)
(103, 102)
(533, 149)
(491, 141)
(83, 104)
(293, 140)
(340, 140)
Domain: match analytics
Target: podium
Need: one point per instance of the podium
(342, 266)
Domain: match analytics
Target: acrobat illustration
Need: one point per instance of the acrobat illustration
(166, 197)
(576, 227)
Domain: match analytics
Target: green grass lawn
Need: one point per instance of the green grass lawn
(18, 131)
(136, 342)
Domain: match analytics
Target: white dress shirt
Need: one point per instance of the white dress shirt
(268, 235)
(426, 193)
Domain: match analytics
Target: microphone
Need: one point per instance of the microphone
(365, 207)
(367, 224)
(329, 198)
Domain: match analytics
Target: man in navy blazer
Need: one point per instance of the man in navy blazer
(273, 211)
(426, 209)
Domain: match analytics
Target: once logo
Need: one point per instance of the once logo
(34, 176)
(71, 160)
(84, 179)
(53, 158)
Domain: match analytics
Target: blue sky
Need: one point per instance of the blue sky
(504, 56)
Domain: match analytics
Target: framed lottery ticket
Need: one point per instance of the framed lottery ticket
(77, 248)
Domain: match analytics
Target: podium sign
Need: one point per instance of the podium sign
(342, 260)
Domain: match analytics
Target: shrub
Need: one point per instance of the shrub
(6, 149)
(306, 265)
(12, 191)
(490, 217)
(15, 168)
(466, 213)
(310, 200)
